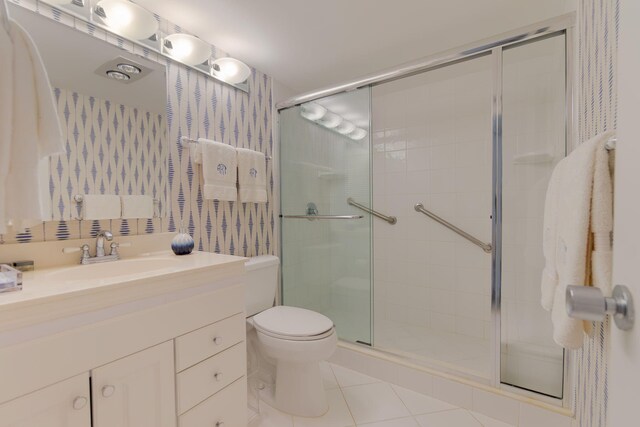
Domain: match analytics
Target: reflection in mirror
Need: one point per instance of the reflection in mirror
(112, 107)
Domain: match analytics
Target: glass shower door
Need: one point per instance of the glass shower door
(326, 243)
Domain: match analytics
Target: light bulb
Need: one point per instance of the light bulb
(330, 120)
(312, 111)
(187, 49)
(346, 128)
(231, 70)
(358, 134)
(127, 19)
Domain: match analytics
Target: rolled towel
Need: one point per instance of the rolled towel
(137, 207)
(252, 176)
(101, 206)
(219, 170)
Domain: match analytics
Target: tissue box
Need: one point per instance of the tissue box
(10, 279)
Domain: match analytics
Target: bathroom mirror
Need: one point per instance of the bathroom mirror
(112, 109)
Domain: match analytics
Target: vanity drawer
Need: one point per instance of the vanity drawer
(210, 376)
(227, 408)
(205, 342)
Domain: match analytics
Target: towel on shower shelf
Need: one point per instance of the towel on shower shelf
(252, 176)
(219, 170)
(30, 131)
(578, 201)
(137, 207)
(101, 206)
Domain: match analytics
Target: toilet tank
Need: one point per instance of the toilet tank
(262, 282)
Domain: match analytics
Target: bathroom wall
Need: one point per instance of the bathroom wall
(598, 28)
(111, 149)
(432, 144)
(197, 106)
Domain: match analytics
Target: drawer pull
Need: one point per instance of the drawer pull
(218, 376)
(217, 340)
(79, 402)
(108, 390)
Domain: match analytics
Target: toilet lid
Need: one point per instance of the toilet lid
(292, 322)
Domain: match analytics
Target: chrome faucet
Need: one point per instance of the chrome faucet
(100, 238)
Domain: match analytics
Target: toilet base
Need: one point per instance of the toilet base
(300, 390)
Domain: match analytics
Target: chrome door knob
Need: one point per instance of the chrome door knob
(108, 390)
(79, 402)
(588, 303)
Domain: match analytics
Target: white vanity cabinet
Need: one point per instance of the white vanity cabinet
(137, 390)
(165, 353)
(64, 404)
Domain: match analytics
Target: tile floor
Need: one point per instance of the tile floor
(359, 400)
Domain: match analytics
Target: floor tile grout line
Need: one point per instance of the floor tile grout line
(342, 394)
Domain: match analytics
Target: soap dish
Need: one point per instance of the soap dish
(10, 279)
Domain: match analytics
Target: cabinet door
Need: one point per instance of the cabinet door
(136, 391)
(64, 404)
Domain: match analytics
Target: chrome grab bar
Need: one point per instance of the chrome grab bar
(419, 207)
(314, 217)
(389, 219)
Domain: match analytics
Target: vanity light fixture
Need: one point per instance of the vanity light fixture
(129, 68)
(346, 127)
(358, 134)
(127, 19)
(312, 111)
(330, 120)
(231, 70)
(118, 75)
(187, 49)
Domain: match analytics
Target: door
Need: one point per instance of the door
(624, 361)
(64, 404)
(136, 391)
(326, 241)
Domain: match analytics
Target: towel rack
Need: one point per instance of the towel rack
(390, 219)
(79, 200)
(314, 217)
(419, 207)
(184, 143)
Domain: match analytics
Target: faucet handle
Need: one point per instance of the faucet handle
(115, 246)
(84, 248)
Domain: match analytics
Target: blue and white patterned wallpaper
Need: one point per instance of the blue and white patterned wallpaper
(598, 27)
(197, 106)
(110, 149)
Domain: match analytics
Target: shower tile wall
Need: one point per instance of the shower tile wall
(432, 144)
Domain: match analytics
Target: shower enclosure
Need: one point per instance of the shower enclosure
(412, 206)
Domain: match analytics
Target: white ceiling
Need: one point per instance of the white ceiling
(307, 44)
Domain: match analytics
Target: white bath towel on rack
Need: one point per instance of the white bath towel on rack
(252, 176)
(219, 170)
(577, 201)
(34, 128)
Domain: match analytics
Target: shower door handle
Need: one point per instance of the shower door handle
(314, 217)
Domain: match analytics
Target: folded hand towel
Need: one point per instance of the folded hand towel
(568, 216)
(137, 207)
(35, 132)
(98, 206)
(252, 176)
(219, 170)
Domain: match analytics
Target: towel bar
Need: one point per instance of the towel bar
(186, 141)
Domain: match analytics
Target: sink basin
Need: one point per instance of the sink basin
(111, 269)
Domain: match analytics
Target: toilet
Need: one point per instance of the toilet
(296, 339)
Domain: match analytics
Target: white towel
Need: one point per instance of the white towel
(568, 217)
(219, 170)
(137, 207)
(34, 130)
(252, 176)
(101, 206)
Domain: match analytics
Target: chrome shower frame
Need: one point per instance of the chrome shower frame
(494, 46)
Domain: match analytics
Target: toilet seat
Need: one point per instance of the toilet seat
(293, 323)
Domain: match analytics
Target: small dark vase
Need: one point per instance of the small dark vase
(182, 243)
